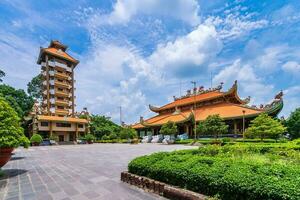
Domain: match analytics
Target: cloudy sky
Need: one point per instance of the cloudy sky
(138, 52)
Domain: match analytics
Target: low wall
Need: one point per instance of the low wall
(160, 188)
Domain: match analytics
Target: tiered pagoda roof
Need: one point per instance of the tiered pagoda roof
(57, 49)
(208, 102)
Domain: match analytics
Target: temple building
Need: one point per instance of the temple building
(198, 104)
(55, 115)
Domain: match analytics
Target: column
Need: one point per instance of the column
(76, 131)
(73, 91)
(50, 128)
(235, 126)
(48, 86)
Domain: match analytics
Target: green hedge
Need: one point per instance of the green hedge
(112, 141)
(234, 172)
(229, 141)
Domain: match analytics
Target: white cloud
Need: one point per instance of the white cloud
(234, 26)
(124, 10)
(249, 82)
(112, 75)
(193, 49)
(292, 67)
(19, 58)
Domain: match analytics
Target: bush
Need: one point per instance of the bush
(54, 137)
(112, 141)
(243, 171)
(113, 136)
(105, 137)
(170, 128)
(36, 138)
(265, 126)
(89, 137)
(128, 133)
(11, 133)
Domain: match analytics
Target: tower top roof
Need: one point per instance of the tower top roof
(58, 45)
(56, 49)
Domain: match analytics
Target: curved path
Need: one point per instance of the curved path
(75, 172)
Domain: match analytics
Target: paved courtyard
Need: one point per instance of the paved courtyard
(76, 172)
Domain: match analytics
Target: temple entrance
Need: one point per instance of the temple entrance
(71, 137)
(61, 138)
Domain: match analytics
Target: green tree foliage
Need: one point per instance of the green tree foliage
(214, 125)
(264, 126)
(36, 138)
(170, 128)
(11, 133)
(201, 128)
(101, 125)
(18, 99)
(34, 87)
(293, 124)
(2, 74)
(89, 137)
(128, 133)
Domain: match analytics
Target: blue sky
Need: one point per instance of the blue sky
(137, 52)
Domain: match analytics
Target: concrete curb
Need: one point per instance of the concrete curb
(160, 188)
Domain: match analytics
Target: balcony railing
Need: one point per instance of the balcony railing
(62, 84)
(61, 93)
(61, 102)
(61, 75)
(61, 111)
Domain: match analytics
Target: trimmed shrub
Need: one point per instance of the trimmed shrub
(36, 138)
(267, 171)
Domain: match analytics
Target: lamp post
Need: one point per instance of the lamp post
(244, 124)
(194, 110)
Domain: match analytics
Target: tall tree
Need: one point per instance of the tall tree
(2, 74)
(215, 125)
(293, 124)
(201, 128)
(101, 125)
(34, 87)
(170, 128)
(264, 126)
(18, 99)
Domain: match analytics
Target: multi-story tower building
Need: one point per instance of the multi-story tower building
(57, 112)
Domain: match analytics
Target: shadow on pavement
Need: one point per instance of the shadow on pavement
(17, 158)
(9, 173)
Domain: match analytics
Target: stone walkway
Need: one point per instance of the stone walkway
(75, 172)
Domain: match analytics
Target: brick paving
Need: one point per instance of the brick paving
(74, 172)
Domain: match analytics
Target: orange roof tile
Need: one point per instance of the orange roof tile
(188, 100)
(60, 53)
(137, 126)
(61, 119)
(225, 110)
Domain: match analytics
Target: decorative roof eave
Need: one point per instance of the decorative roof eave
(145, 124)
(154, 108)
(273, 110)
(43, 50)
(234, 90)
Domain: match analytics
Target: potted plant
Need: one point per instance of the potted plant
(11, 133)
(36, 139)
(89, 138)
